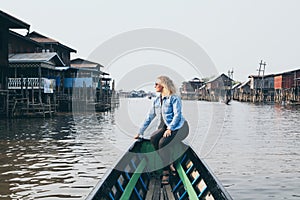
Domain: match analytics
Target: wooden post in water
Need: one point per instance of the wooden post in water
(22, 84)
(7, 103)
(84, 96)
(54, 99)
(27, 94)
(49, 103)
(69, 100)
(32, 94)
(91, 94)
(100, 93)
(40, 85)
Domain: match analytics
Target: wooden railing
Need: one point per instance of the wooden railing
(30, 83)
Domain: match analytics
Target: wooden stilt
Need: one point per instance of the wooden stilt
(7, 104)
(40, 85)
(32, 95)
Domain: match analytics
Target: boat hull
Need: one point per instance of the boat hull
(137, 176)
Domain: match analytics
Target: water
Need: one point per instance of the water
(252, 149)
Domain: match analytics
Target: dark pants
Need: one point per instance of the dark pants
(164, 145)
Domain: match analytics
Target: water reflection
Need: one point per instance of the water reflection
(252, 149)
(258, 151)
(53, 158)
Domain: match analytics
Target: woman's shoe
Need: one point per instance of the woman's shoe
(165, 178)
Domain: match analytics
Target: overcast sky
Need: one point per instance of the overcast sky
(234, 33)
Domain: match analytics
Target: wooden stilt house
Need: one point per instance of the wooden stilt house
(7, 22)
(92, 84)
(287, 87)
(262, 88)
(218, 88)
(32, 81)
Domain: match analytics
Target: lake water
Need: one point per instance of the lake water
(254, 150)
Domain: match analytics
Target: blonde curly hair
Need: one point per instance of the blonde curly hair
(167, 84)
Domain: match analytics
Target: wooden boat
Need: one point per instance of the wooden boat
(227, 101)
(293, 102)
(137, 176)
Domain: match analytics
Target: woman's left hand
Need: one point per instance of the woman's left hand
(136, 136)
(167, 133)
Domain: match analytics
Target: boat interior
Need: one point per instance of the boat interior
(138, 176)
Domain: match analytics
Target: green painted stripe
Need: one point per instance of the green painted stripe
(186, 182)
(134, 179)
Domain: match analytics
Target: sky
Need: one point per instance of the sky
(236, 35)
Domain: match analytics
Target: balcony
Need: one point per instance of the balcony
(31, 83)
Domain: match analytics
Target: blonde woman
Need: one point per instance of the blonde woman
(172, 125)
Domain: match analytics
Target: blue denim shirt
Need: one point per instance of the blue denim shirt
(170, 110)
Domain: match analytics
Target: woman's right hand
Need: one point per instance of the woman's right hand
(137, 136)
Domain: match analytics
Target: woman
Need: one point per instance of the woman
(172, 127)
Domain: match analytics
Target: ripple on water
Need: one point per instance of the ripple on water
(255, 150)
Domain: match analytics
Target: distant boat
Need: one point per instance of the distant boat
(293, 102)
(132, 179)
(227, 100)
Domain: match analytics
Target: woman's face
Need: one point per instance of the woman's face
(158, 87)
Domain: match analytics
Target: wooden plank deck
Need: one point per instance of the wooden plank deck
(159, 192)
(167, 191)
(154, 189)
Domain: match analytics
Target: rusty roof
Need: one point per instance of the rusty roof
(46, 40)
(14, 34)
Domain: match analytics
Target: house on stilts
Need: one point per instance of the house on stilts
(38, 77)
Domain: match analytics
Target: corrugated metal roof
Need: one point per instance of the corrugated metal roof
(260, 76)
(83, 65)
(62, 68)
(86, 62)
(202, 87)
(196, 80)
(87, 65)
(44, 40)
(220, 76)
(287, 72)
(236, 85)
(34, 57)
(245, 83)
